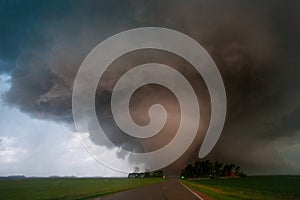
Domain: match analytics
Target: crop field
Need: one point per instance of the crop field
(67, 188)
(253, 187)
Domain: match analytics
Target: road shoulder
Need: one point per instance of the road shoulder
(202, 195)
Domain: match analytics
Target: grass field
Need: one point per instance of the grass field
(67, 188)
(253, 187)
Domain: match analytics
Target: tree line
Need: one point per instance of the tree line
(147, 174)
(206, 168)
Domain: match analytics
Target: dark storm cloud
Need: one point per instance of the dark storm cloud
(255, 44)
(17, 20)
(52, 51)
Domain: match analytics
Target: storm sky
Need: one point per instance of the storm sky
(255, 44)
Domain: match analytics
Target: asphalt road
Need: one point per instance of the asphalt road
(172, 189)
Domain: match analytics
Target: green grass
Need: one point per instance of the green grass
(67, 188)
(253, 187)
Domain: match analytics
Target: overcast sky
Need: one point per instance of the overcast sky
(256, 46)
